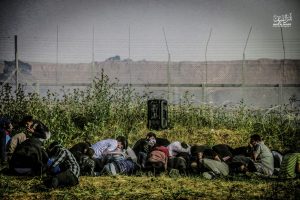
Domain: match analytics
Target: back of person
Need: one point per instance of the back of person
(178, 147)
(29, 158)
(244, 151)
(224, 151)
(15, 141)
(290, 166)
(162, 142)
(158, 159)
(104, 146)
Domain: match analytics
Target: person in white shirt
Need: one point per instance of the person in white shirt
(107, 147)
(178, 147)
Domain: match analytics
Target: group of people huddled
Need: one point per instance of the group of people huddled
(26, 153)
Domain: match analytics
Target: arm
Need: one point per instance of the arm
(255, 153)
(116, 152)
(112, 146)
(15, 141)
(298, 168)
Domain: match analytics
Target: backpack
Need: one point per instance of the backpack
(29, 158)
(157, 156)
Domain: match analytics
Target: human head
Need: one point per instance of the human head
(184, 145)
(254, 139)
(6, 124)
(27, 121)
(90, 152)
(211, 154)
(122, 142)
(238, 167)
(150, 135)
(53, 148)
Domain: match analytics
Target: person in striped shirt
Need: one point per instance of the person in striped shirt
(70, 169)
(290, 166)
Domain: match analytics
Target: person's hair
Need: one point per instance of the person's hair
(184, 145)
(53, 148)
(209, 153)
(151, 134)
(235, 167)
(40, 127)
(195, 149)
(255, 137)
(4, 123)
(123, 140)
(90, 152)
(26, 118)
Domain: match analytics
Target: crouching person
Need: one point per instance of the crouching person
(83, 153)
(122, 160)
(214, 166)
(69, 170)
(262, 156)
(158, 159)
(290, 167)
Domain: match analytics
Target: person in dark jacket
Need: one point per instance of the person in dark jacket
(5, 131)
(224, 151)
(29, 158)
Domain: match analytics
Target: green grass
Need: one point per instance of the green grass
(147, 187)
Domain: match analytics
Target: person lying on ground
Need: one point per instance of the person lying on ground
(213, 166)
(241, 164)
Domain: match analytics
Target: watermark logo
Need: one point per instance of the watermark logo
(282, 20)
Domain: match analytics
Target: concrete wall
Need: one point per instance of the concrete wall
(263, 71)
